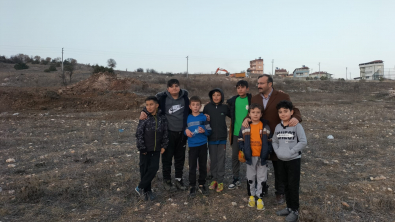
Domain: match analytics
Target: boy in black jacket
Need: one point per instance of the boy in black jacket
(217, 140)
(152, 140)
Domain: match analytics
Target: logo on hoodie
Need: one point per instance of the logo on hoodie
(175, 108)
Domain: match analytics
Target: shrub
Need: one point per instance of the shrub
(97, 69)
(324, 78)
(52, 68)
(140, 70)
(20, 66)
(47, 70)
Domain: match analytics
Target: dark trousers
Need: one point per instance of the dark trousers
(278, 186)
(176, 148)
(290, 176)
(149, 165)
(197, 153)
(235, 158)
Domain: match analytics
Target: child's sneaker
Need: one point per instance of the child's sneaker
(139, 191)
(180, 185)
(150, 196)
(213, 185)
(203, 190)
(192, 192)
(220, 187)
(259, 204)
(234, 184)
(293, 216)
(283, 212)
(251, 202)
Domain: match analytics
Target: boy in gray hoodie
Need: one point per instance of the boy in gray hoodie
(288, 143)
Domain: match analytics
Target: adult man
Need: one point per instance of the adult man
(268, 97)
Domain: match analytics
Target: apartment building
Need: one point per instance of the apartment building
(256, 66)
(317, 75)
(281, 72)
(372, 70)
(301, 72)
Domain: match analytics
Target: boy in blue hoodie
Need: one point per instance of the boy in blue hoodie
(198, 131)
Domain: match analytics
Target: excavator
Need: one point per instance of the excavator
(236, 75)
(223, 70)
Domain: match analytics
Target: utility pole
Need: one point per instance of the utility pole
(272, 67)
(319, 68)
(62, 61)
(346, 73)
(187, 66)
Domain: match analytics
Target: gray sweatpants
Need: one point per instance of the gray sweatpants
(256, 173)
(235, 158)
(217, 157)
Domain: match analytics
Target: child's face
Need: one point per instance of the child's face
(174, 90)
(255, 114)
(285, 114)
(216, 97)
(195, 107)
(242, 90)
(151, 106)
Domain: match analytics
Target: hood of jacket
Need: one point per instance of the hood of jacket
(210, 94)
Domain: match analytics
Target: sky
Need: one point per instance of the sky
(160, 34)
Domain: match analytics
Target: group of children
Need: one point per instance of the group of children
(208, 131)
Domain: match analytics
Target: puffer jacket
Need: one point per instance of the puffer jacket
(245, 139)
(152, 133)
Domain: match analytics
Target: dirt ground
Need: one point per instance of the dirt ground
(69, 153)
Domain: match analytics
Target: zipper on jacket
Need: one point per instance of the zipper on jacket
(156, 126)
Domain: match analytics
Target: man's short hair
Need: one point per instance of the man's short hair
(195, 99)
(153, 98)
(285, 104)
(242, 83)
(269, 78)
(171, 82)
(253, 106)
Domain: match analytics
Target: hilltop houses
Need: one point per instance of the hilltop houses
(302, 72)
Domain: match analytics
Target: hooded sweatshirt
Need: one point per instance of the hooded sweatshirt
(176, 110)
(217, 113)
(289, 141)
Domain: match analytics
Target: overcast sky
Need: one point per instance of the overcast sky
(228, 34)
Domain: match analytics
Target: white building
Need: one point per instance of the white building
(372, 70)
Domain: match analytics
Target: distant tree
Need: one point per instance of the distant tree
(111, 63)
(140, 70)
(44, 61)
(70, 69)
(48, 59)
(36, 60)
(324, 78)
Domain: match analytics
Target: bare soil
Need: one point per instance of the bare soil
(76, 158)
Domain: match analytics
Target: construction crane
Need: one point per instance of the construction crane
(223, 70)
